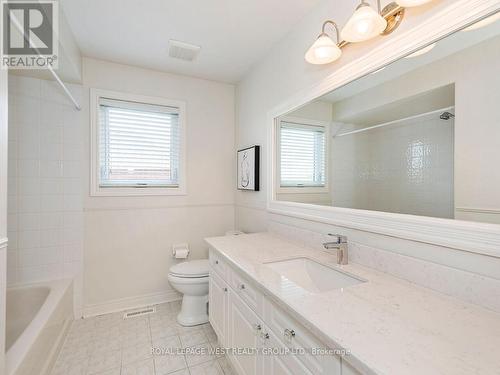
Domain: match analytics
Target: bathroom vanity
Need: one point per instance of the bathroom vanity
(268, 293)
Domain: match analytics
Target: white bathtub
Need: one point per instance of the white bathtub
(38, 317)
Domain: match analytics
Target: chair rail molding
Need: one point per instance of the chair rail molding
(473, 237)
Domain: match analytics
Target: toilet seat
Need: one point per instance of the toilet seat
(190, 269)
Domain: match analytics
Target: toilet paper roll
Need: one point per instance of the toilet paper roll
(180, 251)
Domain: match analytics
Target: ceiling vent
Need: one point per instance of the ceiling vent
(183, 51)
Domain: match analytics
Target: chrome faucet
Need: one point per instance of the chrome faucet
(341, 245)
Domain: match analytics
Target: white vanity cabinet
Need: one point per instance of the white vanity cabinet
(245, 319)
(218, 304)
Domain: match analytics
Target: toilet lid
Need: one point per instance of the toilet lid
(193, 268)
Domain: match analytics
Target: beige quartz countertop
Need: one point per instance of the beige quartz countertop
(390, 326)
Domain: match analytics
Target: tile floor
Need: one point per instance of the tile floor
(111, 345)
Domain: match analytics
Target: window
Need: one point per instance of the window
(302, 154)
(139, 145)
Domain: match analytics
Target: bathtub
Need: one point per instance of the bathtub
(38, 317)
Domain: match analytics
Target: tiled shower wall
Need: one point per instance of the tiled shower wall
(405, 168)
(45, 204)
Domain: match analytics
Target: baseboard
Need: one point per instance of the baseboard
(130, 303)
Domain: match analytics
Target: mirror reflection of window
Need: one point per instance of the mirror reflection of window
(302, 155)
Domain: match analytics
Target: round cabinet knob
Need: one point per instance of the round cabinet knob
(216, 262)
(242, 286)
(225, 289)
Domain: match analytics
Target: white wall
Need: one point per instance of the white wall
(3, 209)
(128, 239)
(45, 220)
(406, 167)
(282, 74)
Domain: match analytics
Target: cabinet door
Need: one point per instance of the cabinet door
(244, 333)
(218, 299)
(277, 361)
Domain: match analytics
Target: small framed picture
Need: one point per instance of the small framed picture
(248, 168)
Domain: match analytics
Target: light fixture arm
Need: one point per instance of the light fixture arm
(364, 3)
(325, 24)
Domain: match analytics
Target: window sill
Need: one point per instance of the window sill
(303, 190)
(136, 192)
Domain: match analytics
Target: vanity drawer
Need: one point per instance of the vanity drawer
(295, 336)
(247, 292)
(217, 264)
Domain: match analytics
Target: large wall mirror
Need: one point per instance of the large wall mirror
(420, 136)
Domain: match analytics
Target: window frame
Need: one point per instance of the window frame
(305, 189)
(118, 191)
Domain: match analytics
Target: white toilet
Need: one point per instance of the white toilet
(191, 279)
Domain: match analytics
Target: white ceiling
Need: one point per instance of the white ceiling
(233, 34)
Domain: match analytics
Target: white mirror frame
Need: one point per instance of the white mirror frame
(473, 237)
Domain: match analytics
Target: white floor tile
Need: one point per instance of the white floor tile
(207, 368)
(144, 367)
(199, 354)
(136, 353)
(104, 361)
(168, 364)
(193, 338)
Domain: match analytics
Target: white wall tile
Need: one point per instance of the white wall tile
(51, 186)
(50, 168)
(51, 151)
(50, 237)
(52, 203)
(45, 204)
(28, 203)
(30, 221)
(29, 239)
(51, 220)
(28, 168)
(28, 186)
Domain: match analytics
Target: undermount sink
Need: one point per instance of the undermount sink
(312, 276)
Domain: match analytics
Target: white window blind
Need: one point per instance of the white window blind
(139, 144)
(302, 155)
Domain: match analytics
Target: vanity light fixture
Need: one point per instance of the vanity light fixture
(365, 23)
(324, 50)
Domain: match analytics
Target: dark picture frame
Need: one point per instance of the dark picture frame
(248, 168)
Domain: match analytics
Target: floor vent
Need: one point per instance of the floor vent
(139, 312)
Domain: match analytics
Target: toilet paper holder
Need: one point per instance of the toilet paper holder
(180, 250)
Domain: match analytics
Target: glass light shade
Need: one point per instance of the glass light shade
(483, 23)
(412, 3)
(421, 51)
(323, 51)
(364, 24)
